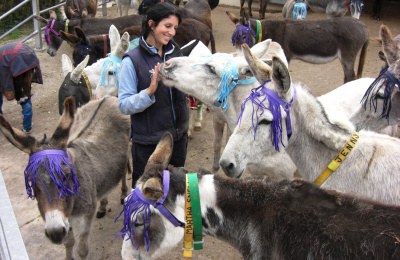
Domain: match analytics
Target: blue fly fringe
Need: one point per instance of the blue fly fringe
(51, 159)
(134, 204)
(223, 89)
(388, 82)
(240, 31)
(110, 64)
(257, 97)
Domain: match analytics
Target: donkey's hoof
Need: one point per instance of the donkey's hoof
(122, 201)
(100, 214)
(197, 128)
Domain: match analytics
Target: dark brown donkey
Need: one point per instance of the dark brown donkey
(97, 46)
(80, 8)
(81, 163)
(91, 26)
(262, 219)
(312, 41)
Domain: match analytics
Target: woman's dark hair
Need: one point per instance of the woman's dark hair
(158, 12)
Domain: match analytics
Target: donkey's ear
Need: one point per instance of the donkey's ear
(261, 48)
(19, 139)
(53, 15)
(389, 46)
(280, 76)
(66, 65)
(77, 72)
(42, 20)
(61, 134)
(162, 153)
(114, 36)
(71, 38)
(152, 189)
(261, 71)
(122, 46)
(81, 35)
(233, 18)
(244, 16)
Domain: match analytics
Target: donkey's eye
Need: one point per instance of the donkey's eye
(211, 69)
(264, 122)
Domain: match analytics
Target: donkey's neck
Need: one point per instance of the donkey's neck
(315, 139)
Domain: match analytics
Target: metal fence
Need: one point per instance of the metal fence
(37, 30)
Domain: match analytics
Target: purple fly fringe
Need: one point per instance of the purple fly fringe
(240, 31)
(135, 204)
(257, 97)
(51, 159)
(388, 82)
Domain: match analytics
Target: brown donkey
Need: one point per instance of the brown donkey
(81, 163)
(312, 41)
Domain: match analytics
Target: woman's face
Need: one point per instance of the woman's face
(165, 29)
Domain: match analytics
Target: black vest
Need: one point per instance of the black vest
(149, 126)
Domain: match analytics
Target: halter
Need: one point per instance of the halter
(389, 82)
(244, 30)
(230, 71)
(239, 32)
(136, 203)
(111, 62)
(51, 159)
(47, 34)
(257, 97)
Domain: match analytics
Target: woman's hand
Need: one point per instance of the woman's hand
(154, 81)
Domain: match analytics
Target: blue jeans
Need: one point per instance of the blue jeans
(1, 103)
(27, 113)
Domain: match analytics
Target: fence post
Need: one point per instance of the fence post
(36, 26)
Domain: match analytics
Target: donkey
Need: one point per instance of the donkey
(80, 8)
(91, 26)
(311, 140)
(94, 46)
(79, 165)
(332, 8)
(123, 6)
(85, 82)
(316, 41)
(261, 218)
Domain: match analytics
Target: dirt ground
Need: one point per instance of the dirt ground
(319, 78)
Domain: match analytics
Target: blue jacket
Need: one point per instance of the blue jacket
(166, 110)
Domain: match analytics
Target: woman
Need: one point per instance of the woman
(154, 108)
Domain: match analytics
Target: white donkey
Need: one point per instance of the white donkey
(261, 218)
(199, 77)
(119, 45)
(312, 141)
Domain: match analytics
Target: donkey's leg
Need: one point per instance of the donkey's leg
(69, 244)
(191, 123)
(198, 119)
(124, 187)
(103, 207)
(218, 134)
(263, 8)
(249, 2)
(84, 232)
(348, 68)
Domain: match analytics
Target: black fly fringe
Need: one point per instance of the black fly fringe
(387, 81)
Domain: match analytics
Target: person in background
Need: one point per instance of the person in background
(299, 7)
(20, 67)
(153, 107)
(376, 10)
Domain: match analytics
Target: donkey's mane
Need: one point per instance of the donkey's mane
(330, 133)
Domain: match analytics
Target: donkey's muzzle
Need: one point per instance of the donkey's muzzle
(56, 235)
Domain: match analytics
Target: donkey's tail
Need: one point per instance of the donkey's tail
(212, 40)
(361, 62)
